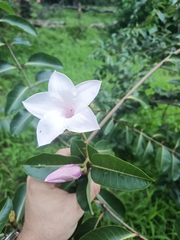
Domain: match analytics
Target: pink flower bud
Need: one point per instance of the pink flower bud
(65, 173)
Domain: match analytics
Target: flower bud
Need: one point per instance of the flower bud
(65, 173)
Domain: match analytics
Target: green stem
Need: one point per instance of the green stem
(99, 219)
(123, 223)
(15, 59)
(117, 106)
(158, 143)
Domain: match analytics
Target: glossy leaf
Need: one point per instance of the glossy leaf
(5, 209)
(147, 155)
(77, 148)
(42, 165)
(109, 127)
(108, 233)
(177, 227)
(5, 124)
(91, 151)
(5, 67)
(20, 122)
(104, 147)
(15, 98)
(115, 173)
(19, 202)
(163, 159)
(43, 75)
(83, 194)
(21, 42)
(19, 23)
(86, 227)
(4, 6)
(175, 168)
(44, 60)
(114, 204)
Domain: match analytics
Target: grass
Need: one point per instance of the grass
(72, 45)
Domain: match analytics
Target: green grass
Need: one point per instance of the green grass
(72, 45)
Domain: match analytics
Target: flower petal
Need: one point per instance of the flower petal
(49, 127)
(62, 85)
(84, 121)
(86, 92)
(41, 103)
(65, 173)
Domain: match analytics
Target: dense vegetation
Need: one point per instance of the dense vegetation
(144, 130)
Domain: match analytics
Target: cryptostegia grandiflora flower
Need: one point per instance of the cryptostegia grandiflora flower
(64, 106)
(65, 173)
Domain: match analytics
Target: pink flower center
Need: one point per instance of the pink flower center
(69, 113)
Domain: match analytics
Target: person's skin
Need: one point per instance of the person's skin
(50, 212)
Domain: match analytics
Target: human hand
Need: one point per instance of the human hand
(50, 212)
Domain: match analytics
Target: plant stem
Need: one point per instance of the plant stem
(99, 219)
(113, 110)
(158, 143)
(123, 223)
(15, 59)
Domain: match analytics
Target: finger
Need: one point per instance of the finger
(64, 152)
(34, 185)
(95, 188)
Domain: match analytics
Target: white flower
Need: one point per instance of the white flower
(64, 106)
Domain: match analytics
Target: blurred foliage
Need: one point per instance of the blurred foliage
(143, 36)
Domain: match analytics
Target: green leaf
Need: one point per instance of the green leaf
(86, 227)
(78, 148)
(140, 100)
(175, 168)
(91, 151)
(44, 60)
(19, 202)
(175, 59)
(115, 173)
(163, 159)
(5, 209)
(177, 227)
(43, 75)
(5, 67)
(129, 136)
(20, 122)
(1, 44)
(147, 155)
(175, 82)
(15, 98)
(5, 124)
(83, 194)
(139, 145)
(108, 233)
(20, 23)
(21, 42)
(4, 6)
(161, 16)
(113, 203)
(109, 127)
(42, 165)
(104, 147)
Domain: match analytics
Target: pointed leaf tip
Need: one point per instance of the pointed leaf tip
(19, 23)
